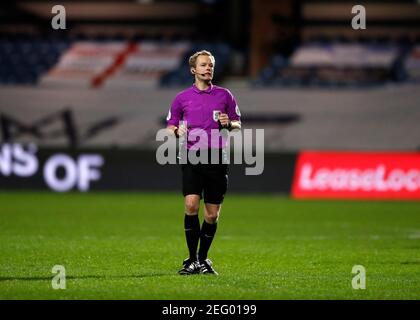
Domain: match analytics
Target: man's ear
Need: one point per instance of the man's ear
(192, 70)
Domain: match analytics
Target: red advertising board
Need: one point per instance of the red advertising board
(351, 175)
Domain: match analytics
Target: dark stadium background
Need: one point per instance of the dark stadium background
(102, 87)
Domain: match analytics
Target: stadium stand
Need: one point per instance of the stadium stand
(84, 64)
(103, 61)
(115, 63)
(24, 60)
(148, 62)
(138, 48)
(335, 64)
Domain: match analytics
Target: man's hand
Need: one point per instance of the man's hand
(226, 123)
(181, 130)
(224, 120)
(178, 132)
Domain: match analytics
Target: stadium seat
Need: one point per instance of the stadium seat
(25, 59)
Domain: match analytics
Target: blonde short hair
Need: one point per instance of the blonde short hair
(193, 59)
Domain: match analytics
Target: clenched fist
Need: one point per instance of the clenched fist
(224, 120)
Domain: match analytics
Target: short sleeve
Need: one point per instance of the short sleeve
(175, 113)
(233, 111)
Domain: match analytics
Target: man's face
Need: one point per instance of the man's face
(204, 67)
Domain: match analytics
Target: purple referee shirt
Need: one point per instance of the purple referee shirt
(200, 110)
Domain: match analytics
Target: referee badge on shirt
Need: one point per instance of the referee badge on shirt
(237, 110)
(216, 114)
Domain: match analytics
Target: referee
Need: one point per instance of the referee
(203, 106)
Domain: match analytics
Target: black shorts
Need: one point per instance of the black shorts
(208, 179)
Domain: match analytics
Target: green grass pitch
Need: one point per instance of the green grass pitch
(130, 246)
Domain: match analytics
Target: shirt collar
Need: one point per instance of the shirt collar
(208, 90)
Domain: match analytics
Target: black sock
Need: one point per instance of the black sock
(206, 237)
(192, 234)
